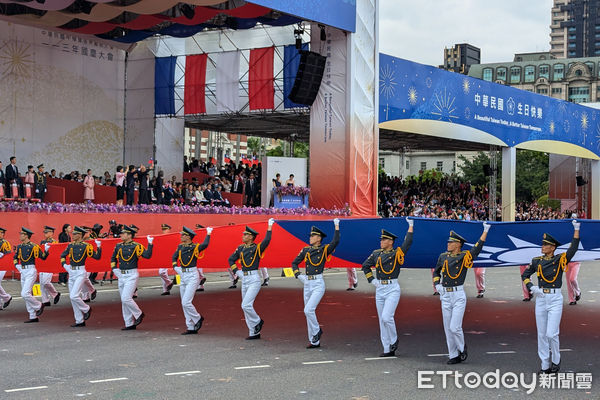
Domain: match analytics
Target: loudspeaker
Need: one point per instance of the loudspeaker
(580, 181)
(487, 171)
(308, 78)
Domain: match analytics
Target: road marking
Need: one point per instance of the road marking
(109, 380)
(254, 366)
(27, 388)
(565, 350)
(500, 352)
(317, 362)
(182, 373)
(437, 355)
(379, 358)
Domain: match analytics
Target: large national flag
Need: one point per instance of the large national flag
(164, 85)
(195, 84)
(228, 77)
(261, 83)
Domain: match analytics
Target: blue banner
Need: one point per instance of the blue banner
(414, 91)
(164, 85)
(291, 62)
(337, 13)
(507, 244)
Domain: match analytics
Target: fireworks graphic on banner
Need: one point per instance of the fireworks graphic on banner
(15, 59)
(387, 81)
(466, 86)
(412, 95)
(584, 120)
(444, 106)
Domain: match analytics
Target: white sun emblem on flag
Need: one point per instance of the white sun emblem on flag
(387, 81)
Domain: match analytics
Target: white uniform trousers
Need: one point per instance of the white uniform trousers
(479, 279)
(4, 297)
(76, 279)
(231, 275)
(164, 275)
(250, 289)
(87, 288)
(28, 278)
(46, 287)
(187, 290)
(200, 277)
(127, 286)
(264, 273)
(352, 278)
(314, 290)
(453, 310)
(572, 284)
(548, 311)
(386, 300)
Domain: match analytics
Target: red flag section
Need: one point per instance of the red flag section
(224, 240)
(195, 84)
(261, 81)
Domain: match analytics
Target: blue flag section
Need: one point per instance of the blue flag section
(291, 62)
(164, 85)
(412, 91)
(507, 244)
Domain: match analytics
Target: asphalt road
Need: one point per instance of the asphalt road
(50, 360)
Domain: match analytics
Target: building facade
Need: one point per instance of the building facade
(460, 58)
(575, 28)
(202, 145)
(412, 163)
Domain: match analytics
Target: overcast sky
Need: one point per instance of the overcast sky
(418, 30)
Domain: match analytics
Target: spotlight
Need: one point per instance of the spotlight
(298, 43)
(187, 11)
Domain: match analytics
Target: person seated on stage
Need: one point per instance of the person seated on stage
(218, 200)
(208, 193)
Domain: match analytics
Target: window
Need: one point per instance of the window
(542, 90)
(545, 71)
(515, 74)
(578, 72)
(440, 166)
(591, 67)
(559, 71)
(407, 164)
(453, 166)
(556, 90)
(572, 54)
(382, 162)
(579, 94)
(572, 28)
(529, 73)
(501, 73)
(487, 74)
(572, 45)
(423, 165)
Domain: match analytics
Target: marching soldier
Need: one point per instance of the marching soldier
(187, 256)
(46, 286)
(250, 254)
(88, 291)
(25, 255)
(315, 256)
(78, 251)
(167, 283)
(201, 271)
(387, 263)
(5, 248)
(449, 277)
(549, 299)
(40, 183)
(95, 233)
(124, 262)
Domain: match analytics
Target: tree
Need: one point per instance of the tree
(472, 170)
(254, 145)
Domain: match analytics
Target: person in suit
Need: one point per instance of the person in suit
(130, 184)
(238, 185)
(158, 187)
(251, 190)
(208, 193)
(12, 176)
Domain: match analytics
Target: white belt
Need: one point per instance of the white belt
(454, 288)
(27, 266)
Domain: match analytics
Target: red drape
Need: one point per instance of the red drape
(195, 84)
(260, 85)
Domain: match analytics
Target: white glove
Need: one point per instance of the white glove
(336, 222)
(18, 267)
(576, 224)
(46, 247)
(536, 291)
(302, 278)
(98, 243)
(271, 222)
(1, 254)
(209, 230)
(66, 267)
(150, 239)
(37, 190)
(239, 274)
(410, 221)
(439, 288)
(375, 282)
(486, 227)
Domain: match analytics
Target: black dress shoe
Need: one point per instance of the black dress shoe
(7, 303)
(94, 282)
(349, 289)
(388, 354)
(86, 300)
(57, 298)
(202, 281)
(86, 315)
(573, 303)
(436, 293)
(455, 360)
(394, 346)
(200, 290)
(313, 346)
(463, 355)
(76, 325)
(29, 321)
(129, 328)
(165, 293)
(355, 285)
(235, 280)
(254, 337)
(40, 311)
(317, 337)
(199, 324)
(190, 332)
(554, 368)
(480, 295)
(527, 299)
(93, 295)
(544, 371)
(139, 319)
(232, 287)
(265, 282)
(170, 286)
(258, 327)
(47, 304)
(578, 297)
